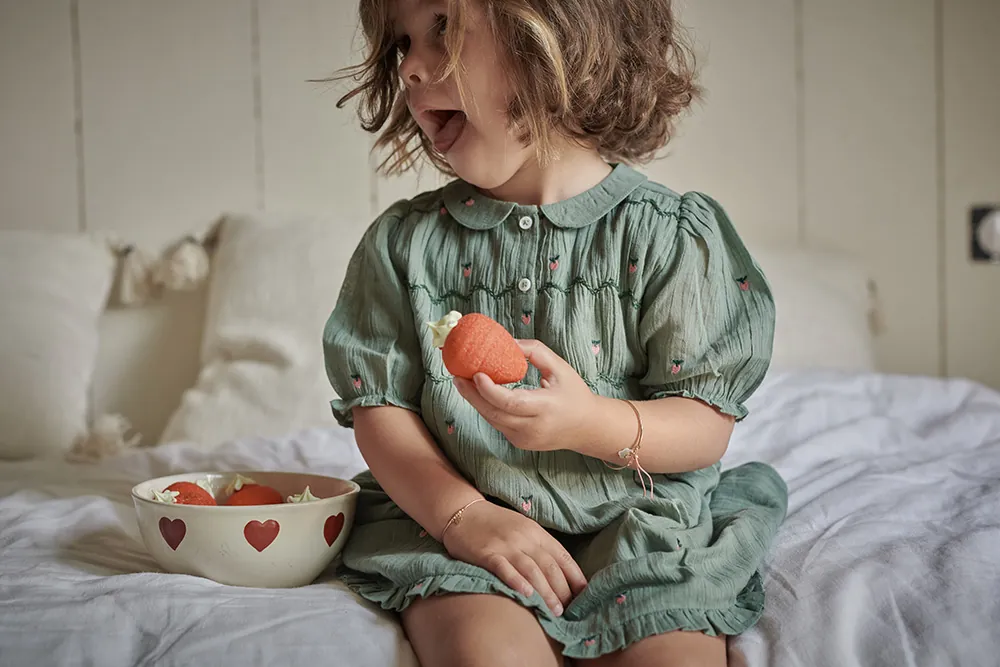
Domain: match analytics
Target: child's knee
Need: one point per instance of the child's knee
(478, 631)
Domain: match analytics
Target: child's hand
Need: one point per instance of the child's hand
(518, 551)
(557, 416)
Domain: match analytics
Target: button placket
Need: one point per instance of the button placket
(527, 241)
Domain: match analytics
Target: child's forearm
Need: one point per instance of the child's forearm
(410, 467)
(679, 434)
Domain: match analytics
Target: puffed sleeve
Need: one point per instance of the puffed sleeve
(370, 345)
(707, 320)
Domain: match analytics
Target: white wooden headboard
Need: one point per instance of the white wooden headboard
(151, 117)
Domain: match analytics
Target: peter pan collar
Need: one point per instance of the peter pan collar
(474, 210)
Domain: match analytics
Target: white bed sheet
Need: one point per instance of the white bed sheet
(890, 555)
(77, 586)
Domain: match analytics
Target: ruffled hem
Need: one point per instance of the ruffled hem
(342, 408)
(726, 407)
(578, 640)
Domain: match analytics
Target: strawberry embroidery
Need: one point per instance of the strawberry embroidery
(595, 347)
(423, 533)
(589, 641)
(620, 599)
(676, 368)
(467, 269)
(356, 381)
(526, 503)
(444, 211)
(553, 263)
(451, 426)
(526, 317)
(470, 201)
(633, 264)
(744, 283)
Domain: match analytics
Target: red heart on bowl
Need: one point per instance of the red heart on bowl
(260, 535)
(331, 529)
(173, 532)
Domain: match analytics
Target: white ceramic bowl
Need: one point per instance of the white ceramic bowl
(259, 546)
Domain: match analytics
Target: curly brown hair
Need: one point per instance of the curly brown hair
(612, 75)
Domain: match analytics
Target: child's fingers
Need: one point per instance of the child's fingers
(529, 569)
(518, 402)
(509, 575)
(539, 355)
(554, 575)
(470, 393)
(504, 422)
(571, 570)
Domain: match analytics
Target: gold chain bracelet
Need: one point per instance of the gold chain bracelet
(456, 518)
(631, 454)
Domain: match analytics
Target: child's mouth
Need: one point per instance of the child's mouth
(451, 128)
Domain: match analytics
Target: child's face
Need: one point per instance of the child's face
(474, 137)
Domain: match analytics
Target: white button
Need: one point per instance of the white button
(525, 223)
(524, 284)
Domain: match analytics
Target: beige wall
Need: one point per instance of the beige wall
(861, 125)
(970, 174)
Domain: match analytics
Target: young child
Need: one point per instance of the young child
(582, 513)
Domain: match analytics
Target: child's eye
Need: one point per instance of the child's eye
(441, 23)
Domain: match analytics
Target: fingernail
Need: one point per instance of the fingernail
(528, 592)
(558, 610)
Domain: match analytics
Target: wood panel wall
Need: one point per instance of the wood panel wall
(868, 126)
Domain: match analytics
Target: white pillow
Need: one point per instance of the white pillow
(275, 280)
(53, 289)
(824, 310)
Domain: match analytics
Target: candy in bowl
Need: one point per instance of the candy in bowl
(231, 540)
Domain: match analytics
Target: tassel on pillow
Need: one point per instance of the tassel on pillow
(135, 276)
(107, 437)
(876, 315)
(184, 268)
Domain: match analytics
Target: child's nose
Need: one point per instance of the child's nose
(415, 69)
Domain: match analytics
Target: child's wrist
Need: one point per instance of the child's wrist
(457, 516)
(449, 509)
(610, 427)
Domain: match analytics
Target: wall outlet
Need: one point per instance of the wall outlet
(985, 234)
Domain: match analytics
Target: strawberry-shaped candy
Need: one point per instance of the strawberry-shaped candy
(475, 343)
(188, 493)
(255, 494)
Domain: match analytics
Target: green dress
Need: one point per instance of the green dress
(647, 294)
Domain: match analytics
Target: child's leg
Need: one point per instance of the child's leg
(673, 649)
(477, 630)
